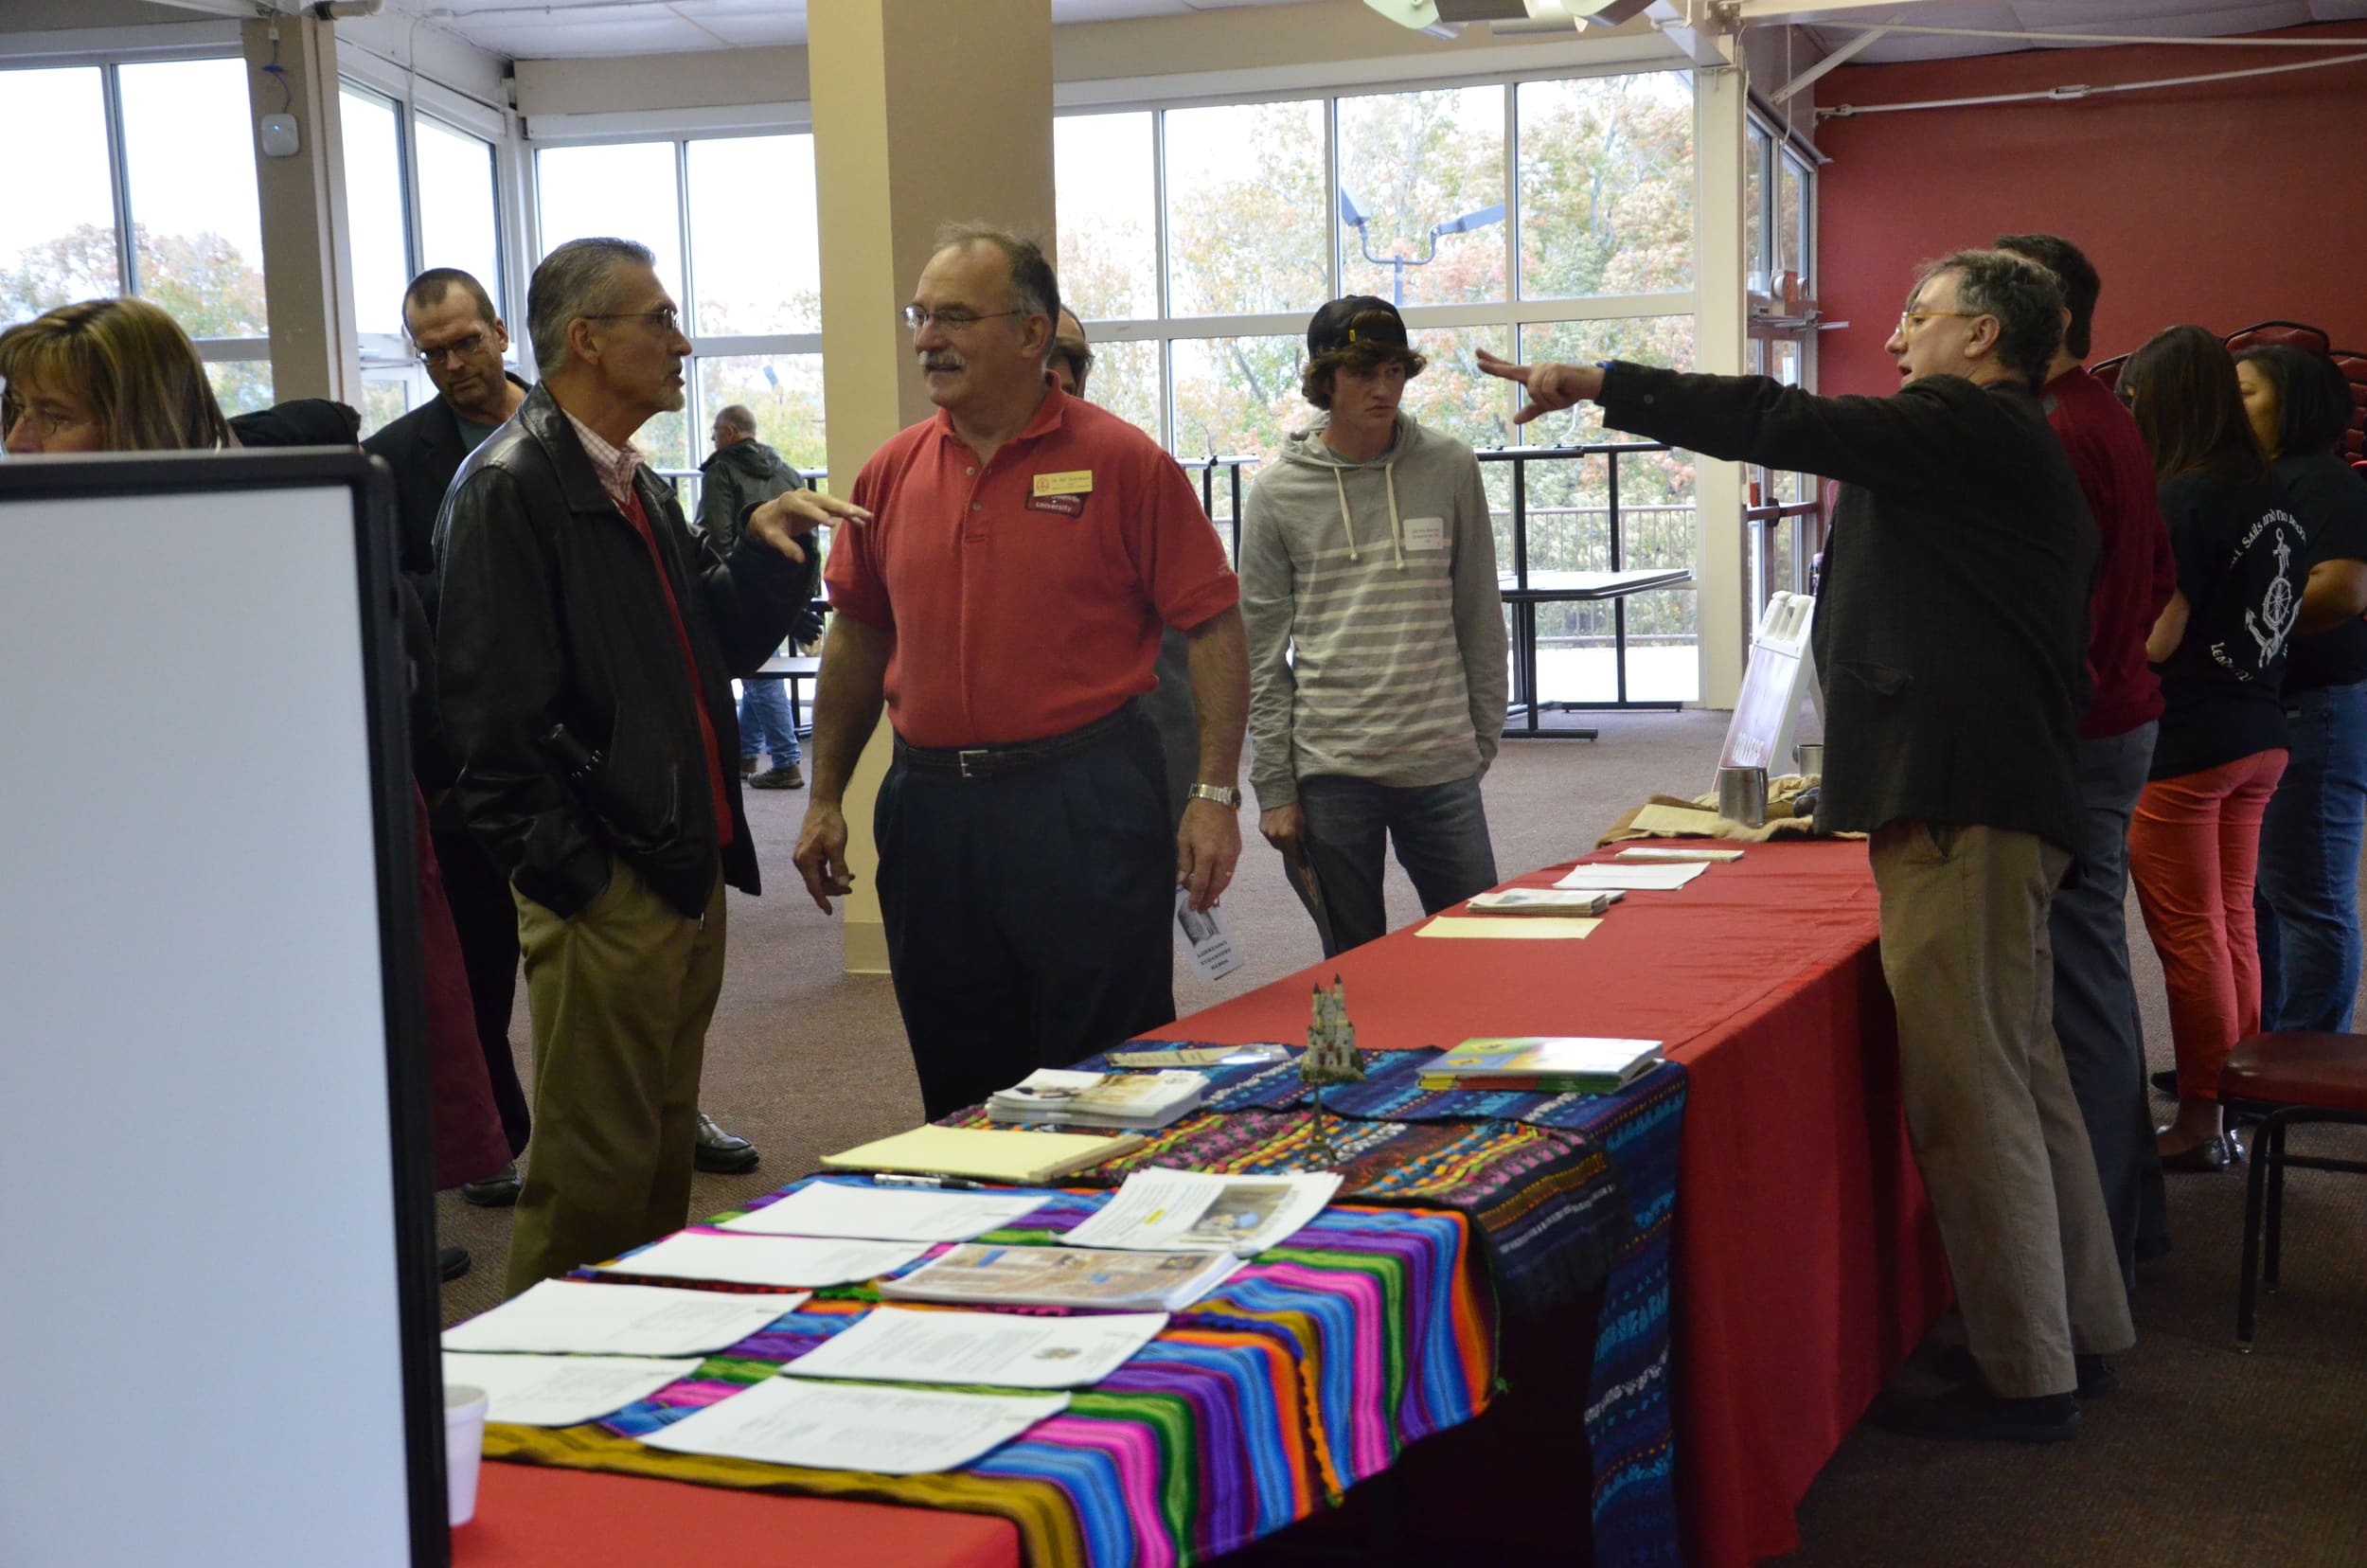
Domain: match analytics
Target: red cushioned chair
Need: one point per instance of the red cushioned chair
(2284, 1078)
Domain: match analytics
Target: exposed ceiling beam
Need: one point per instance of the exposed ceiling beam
(1778, 11)
(1838, 57)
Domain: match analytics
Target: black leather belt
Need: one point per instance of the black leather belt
(1019, 756)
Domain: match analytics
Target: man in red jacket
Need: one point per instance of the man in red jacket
(2096, 1002)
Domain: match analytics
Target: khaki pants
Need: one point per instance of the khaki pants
(1990, 1112)
(622, 995)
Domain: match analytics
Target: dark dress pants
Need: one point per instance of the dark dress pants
(485, 918)
(1027, 916)
(2096, 1001)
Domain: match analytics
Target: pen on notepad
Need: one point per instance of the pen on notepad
(889, 1179)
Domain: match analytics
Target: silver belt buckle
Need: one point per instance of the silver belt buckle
(981, 753)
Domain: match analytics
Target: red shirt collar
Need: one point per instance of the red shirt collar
(1050, 415)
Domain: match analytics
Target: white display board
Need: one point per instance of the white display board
(1781, 667)
(214, 1257)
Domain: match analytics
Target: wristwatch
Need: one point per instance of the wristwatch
(1224, 794)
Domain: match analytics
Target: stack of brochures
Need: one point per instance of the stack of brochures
(986, 1154)
(1547, 900)
(982, 1276)
(1137, 1102)
(1544, 1064)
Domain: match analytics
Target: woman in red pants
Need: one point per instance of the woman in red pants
(2221, 651)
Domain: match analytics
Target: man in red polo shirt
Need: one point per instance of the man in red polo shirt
(1003, 590)
(2095, 1001)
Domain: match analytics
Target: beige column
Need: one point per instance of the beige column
(1721, 346)
(308, 264)
(924, 112)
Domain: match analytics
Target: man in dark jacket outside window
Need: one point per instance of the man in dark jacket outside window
(1951, 637)
(744, 472)
(584, 661)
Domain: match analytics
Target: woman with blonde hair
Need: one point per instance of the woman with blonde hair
(105, 375)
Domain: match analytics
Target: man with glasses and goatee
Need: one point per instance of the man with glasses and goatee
(1003, 592)
(585, 655)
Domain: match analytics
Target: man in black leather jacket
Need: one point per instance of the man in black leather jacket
(586, 647)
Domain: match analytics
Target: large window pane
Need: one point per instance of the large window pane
(57, 221)
(1412, 164)
(241, 387)
(1754, 220)
(753, 240)
(783, 391)
(1606, 185)
(189, 166)
(1246, 226)
(1124, 380)
(1237, 396)
(1451, 395)
(1792, 219)
(626, 191)
(374, 210)
(1108, 215)
(457, 226)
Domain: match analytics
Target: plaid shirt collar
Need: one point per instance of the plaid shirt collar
(615, 465)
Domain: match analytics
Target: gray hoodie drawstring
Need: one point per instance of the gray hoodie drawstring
(1347, 521)
(1348, 524)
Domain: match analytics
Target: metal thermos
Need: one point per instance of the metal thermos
(1808, 757)
(1742, 795)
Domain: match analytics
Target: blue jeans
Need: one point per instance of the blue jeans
(1440, 831)
(2309, 846)
(764, 724)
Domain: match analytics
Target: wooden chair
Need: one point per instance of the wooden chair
(2285, 1079)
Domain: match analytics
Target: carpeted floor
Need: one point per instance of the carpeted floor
(2204, 1457)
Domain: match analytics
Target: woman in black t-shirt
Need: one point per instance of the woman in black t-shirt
(2221, 651)
(2308, 906)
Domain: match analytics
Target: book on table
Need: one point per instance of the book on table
(1547, 900)
(983, 1275)
(986, 1153)
(1136, 1101)
(1567, 1063)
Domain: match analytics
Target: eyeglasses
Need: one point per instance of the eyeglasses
(465, 348)
(917, 318)
(666, 317)
(44, 422)
(1908, 319)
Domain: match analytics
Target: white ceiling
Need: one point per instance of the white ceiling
(549, 29)
(558, 30)
(2158, 18)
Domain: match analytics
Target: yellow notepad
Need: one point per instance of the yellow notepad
(1531, 928)
(985, 1155)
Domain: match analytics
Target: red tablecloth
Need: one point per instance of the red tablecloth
(530, 1517)
(1806, 1266)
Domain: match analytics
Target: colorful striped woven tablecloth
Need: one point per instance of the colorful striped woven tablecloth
(1306, 1372)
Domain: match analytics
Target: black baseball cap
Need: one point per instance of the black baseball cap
(1358, 318)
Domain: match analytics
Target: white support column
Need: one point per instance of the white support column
(1721, 348)
(307, 258)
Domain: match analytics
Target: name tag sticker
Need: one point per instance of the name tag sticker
(1067, 506)
(1075, 481)
(1424, 533)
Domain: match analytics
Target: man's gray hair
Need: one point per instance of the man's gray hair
(579, 278)
(2025, 297)
(1034, 289)
(736, 416)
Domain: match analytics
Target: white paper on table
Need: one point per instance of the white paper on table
(857, 1426)
(558, 1391)
(1190, 1211)
(1201, 936)
(891, 1344)
(1658, 852)
(585, 1317)
(1634, 878)
(792, 1260)
(888, 1213)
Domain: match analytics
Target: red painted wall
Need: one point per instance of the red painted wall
(2222, 203)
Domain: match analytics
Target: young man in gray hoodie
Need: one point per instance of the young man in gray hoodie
(1375, 637)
